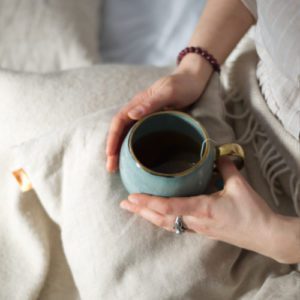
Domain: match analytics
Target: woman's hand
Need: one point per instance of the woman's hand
(236, 215)
(176, 91)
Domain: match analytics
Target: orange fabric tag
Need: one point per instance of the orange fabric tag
(23, 180)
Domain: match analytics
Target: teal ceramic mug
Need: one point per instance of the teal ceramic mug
(170, 154)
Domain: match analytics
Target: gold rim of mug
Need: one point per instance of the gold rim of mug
(182, 173)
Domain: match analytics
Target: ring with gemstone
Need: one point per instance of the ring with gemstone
(179, 225)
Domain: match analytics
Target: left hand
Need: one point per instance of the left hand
(236, 215)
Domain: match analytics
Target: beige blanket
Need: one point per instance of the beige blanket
(67, 238)
(269, 146)
(76, 241)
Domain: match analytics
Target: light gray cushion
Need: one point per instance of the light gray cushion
(49, 35)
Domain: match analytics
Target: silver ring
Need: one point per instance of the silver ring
(178, 225)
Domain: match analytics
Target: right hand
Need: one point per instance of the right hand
(175, 91)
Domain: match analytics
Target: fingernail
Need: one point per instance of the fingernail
(133, 199)
(109, 166)
(125, 205)
(136, 112)
(107, 151)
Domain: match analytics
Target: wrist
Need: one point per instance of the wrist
(195, 65)
(285, 239)
(201, 52)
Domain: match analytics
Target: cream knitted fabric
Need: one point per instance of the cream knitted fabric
(278, 47)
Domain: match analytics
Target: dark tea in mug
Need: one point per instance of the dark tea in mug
(167, 152)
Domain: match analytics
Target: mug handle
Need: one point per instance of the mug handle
(234, 151)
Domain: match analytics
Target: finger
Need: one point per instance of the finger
(227, 168)
(112, 163)
(203, 226)
(159, 95)
(118, 129)
(148, 103)
(163, 221)
(122, 122)
(192, 224)
(199, 206)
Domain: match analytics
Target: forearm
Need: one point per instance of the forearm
(221, 26)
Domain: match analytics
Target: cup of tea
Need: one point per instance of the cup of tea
(170, 154)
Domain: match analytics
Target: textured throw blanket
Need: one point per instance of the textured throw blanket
(68, 239)
(74, 241)
(270, 148)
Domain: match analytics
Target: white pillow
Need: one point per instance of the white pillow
(43, 36)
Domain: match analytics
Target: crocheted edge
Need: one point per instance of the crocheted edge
(271, 162)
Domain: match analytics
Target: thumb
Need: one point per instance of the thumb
(227, 168)
(146, 104)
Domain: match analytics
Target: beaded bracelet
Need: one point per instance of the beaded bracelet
(202, 52)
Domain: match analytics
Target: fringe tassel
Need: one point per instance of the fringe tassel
(272, 164)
